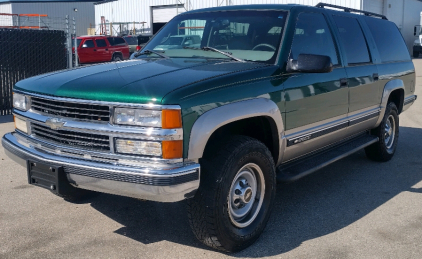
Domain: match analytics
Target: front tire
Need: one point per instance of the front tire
(233, 203)
(388, 134)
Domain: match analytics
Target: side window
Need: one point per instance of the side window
(101, 43)
(352, 38)
(88, 44)
(119, 41)
(389, 41)
(111, 41)
(142, 40)
(312, 36)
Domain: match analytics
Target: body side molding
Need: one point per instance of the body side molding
(210, 121)
(388, 89)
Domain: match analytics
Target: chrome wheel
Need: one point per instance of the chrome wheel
(246, 195)
(389, 131)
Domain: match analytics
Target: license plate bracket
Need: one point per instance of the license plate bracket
(47, 176)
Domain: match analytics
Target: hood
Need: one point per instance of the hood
(134, 81)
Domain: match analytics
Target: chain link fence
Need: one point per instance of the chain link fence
(31, 45)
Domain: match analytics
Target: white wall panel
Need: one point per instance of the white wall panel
(6, 20)
(140, 11)
(375, 6)
(412, 9)
(58, 10)
(165, 14)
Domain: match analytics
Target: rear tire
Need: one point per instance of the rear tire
(117, 57)
(388, 134)
(233, 203)
(415, 54)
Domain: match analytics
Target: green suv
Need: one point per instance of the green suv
(271, 93)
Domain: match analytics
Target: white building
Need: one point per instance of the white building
(155, 13)
(56, 10)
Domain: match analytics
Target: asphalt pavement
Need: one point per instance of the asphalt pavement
(354, 208)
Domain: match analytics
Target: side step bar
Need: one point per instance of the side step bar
(294, 170)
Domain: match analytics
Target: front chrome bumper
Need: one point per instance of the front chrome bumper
(164, 185)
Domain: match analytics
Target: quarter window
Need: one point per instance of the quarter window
(389, 41)
(312, 36)
(351, 36)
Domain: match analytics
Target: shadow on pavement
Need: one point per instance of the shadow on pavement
(6, 118)
(314, 206)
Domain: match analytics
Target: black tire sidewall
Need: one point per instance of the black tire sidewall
(249, 154)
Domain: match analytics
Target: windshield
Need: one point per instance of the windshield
(172, 41)
(248, 35)
(131, 40)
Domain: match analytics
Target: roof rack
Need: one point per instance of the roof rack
(349, 10)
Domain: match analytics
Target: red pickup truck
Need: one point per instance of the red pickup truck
(92, 49)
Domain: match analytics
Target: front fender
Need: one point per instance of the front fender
(210, 121)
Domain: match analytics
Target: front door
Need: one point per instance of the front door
(87, 53)
(316, 103)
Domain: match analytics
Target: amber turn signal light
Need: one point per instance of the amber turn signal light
(172, 149)
(171, 119)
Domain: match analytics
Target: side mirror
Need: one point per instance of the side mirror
(310, 63)
(84, 46)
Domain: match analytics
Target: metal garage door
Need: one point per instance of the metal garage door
(163, 14)
(375, 6)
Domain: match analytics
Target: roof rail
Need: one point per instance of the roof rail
(349, 10)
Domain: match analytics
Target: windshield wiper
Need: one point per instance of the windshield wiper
(147, 51)
(227, 54)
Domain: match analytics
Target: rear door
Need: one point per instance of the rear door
(87, 52)
(102, 50)
(362, 73)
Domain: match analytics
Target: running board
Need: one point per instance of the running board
(292, 171)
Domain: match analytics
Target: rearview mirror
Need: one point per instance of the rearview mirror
(310, 63)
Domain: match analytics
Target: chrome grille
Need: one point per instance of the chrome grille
(69, 138)
(81, 111)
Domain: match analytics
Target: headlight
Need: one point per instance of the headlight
(166, 119)
(20, 102)
(137, 147)
(137, 117)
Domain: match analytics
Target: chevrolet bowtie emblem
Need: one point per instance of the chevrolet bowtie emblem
(55, 123)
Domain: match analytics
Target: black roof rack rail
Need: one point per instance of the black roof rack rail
(349, 10)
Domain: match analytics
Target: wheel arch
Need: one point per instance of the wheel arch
(393, 91)
(259, 112)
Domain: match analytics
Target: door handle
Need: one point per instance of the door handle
(106, 49)
(95, 50)
(375, 76)
(343, 82)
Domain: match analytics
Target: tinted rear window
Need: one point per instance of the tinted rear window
(116, 41)
(101, 43)
(131, 40)
(143, 39)
(352, 38)
(388, 39)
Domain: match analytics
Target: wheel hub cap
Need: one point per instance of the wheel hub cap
(246, 195)
(389, 132)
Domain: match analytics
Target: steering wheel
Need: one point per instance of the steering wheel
(264, 45)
